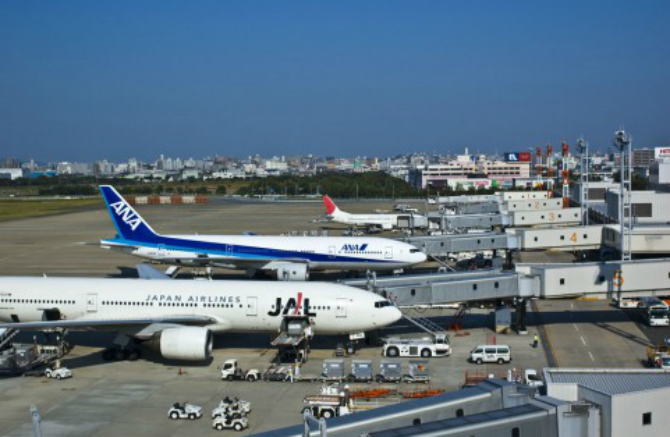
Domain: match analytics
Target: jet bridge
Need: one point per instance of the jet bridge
(454, 287)
(444, 245)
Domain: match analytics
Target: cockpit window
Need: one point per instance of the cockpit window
(414, 250)
(382, 304)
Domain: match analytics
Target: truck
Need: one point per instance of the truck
(20, 358)
(231, 371)
(332, 402)
(655, 312)
(658, 356)
(425, 347)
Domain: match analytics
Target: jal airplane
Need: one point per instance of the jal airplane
(291, 258)
(178, 318)
(380, 221)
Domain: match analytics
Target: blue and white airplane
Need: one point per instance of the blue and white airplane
(291, 258)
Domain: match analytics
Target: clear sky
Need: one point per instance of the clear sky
(84, 80)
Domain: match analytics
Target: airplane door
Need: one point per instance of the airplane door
(388, 252)
(331, 252)
(252, 306)
(341, 308)
(162, 251)
(229, 250)
(91, 303)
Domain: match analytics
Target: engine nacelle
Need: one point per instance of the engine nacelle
(188, 343)
(292, 272)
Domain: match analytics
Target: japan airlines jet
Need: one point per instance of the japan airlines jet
(381, 221)
(290, 257)
(178, 318)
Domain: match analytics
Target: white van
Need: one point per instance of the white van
(491, 353)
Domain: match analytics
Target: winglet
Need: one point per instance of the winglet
(129, 224)
(330, 205)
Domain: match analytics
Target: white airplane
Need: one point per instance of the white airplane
(380, 221)
(291, 258)
(179, 318)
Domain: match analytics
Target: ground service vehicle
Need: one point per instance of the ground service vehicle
(390, 371)
(532, 379)
(185, 411)
(229, 407)
(230, 422)
(491, 354)
(418, 372)
(58, 373)
(659, 356)
(654, 311)
(361, 371)
(332, 402)
(425, 347)
(231, 371)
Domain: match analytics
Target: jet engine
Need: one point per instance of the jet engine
(292, 272)
(188, 343)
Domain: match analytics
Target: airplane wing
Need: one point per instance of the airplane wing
(109, 324)
(145, 271)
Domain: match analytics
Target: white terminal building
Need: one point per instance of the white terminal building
(471, 171)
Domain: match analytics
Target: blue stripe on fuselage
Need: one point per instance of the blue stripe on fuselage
(239, 251)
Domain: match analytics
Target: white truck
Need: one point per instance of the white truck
(332, 402)
(426, 347)
(231, 371)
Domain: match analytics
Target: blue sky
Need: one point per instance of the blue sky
(85, 80)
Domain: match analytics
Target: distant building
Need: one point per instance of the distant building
(12, 173)
(643, 157)
(74, 168)
(438, 175)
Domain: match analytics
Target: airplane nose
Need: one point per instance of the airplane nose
(394, 315)
(421, 257)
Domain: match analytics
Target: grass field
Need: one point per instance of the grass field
(17, 209)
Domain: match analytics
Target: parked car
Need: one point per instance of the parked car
(491, 353)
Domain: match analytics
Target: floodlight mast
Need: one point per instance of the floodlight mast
(623, 142)
(583, 148)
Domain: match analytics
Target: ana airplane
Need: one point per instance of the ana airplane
(179, 318)
(370, 221)
(291, 258)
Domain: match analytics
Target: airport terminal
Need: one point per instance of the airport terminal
(522, 313)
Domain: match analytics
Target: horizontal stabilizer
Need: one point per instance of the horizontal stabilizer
(145, 271)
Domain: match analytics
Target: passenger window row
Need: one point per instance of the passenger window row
(39, 301)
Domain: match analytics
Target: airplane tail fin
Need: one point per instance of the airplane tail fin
(331, 208)
(129, 224)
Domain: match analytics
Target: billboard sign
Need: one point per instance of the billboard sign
(517, 156)
(661, 152)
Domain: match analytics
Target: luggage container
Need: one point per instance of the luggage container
(333, 370)
(361, 371)
(418, 372)
(390, 371)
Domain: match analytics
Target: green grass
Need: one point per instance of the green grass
(18, 209)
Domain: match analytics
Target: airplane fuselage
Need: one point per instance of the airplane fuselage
(237, 306)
